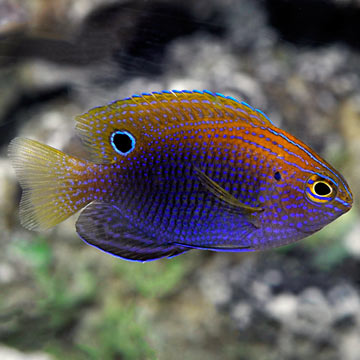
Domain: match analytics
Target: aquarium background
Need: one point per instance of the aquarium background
(296, 60)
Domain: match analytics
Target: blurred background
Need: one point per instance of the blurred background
(296, 60)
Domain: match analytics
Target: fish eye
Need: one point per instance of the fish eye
(122, 142)
(319, 190)
(322, 188)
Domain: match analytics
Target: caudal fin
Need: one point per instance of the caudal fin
(50, 182)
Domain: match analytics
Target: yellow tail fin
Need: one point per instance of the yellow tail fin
(50, 180)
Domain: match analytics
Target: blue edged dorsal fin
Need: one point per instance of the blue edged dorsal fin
(103, 226)
(151, 115)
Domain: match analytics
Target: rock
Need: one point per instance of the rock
(350, 347)
(352, 241)
(345, 301)
(314, 315)
(283, 307)
(7, 353)
(12, 17)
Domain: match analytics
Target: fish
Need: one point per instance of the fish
(172, 171)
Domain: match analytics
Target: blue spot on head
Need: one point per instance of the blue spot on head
(122, 142)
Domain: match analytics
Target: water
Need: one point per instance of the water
(298, 61)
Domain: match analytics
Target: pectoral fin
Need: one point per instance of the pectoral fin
(229, 201)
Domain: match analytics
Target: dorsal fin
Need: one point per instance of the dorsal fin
(150, 114)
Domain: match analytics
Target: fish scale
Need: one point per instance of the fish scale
(192, 170)
(172, 207)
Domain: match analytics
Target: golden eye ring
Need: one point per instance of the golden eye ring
(319, 190)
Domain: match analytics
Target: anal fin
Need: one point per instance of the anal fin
(103, 226)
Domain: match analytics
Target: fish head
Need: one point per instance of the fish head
(322, 198)
(328, 197)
